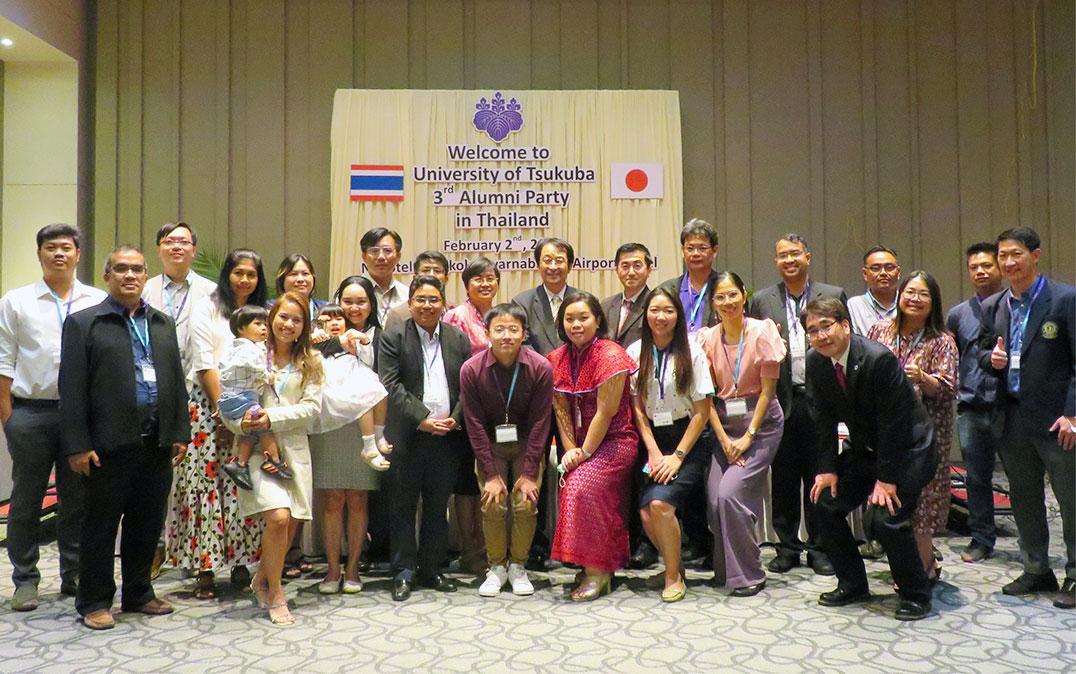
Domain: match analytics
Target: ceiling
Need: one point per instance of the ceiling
(27, 46)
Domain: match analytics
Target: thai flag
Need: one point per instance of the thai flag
(370, 182)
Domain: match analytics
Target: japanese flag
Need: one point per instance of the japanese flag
(637, 181)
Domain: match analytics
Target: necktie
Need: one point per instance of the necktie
(625, 310)
(554, 305)
(839, 369)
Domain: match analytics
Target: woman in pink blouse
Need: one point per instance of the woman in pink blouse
(745, 360)
(481, 280)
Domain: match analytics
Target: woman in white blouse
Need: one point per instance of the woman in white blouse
(671, 395)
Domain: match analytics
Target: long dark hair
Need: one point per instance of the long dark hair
(595, 306)
(224, 296)
(368, 286)
(679, 347)
(935, 324)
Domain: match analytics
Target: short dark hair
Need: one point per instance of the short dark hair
(245, 315)
(224, 296)
(826, 307)
(331, 311)
(563, 245)
(373, 236)
(425, 280)
(723, 276)
(58, 231)
(981, 247)
(935, 324)
(595, 306)
(287, 264)
(477, 267)
(878, 249)
(122, 248)
(432, 256)
(1027, 237)
(700, 228)
(793, 237)
(368, 286)
(633, 247)
(169, 227)
(510, 309)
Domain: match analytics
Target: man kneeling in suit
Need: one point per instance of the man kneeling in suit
(885, 460)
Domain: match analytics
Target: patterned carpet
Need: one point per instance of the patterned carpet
(974, 629)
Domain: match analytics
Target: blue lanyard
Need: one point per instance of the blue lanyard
(170, 297)
(59, 301)
(1016, 340)
(660, 367)
(739, 358)
(698, 301)
(911, 349)
(436, 352)
(144, 341)
(880, 312)
(794, 317)
(282, 377)
(511, 390)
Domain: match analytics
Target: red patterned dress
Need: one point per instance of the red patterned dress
(592, 526)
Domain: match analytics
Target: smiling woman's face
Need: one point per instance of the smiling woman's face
(580, 323)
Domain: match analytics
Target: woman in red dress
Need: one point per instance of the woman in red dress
(593, 410)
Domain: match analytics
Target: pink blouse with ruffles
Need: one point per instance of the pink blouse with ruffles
(763, 351)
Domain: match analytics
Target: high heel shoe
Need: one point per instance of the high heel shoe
(260, 594)
(591, 588)
(282, 619)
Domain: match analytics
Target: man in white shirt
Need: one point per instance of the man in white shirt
(381, 248)
(881, 273)
(178, 289)
(31, 322)
(427, 263)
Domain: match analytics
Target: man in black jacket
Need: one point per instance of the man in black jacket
(886, 460)
(124, 405)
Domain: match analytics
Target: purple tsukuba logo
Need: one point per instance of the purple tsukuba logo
(497, 117)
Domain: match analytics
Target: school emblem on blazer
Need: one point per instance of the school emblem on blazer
(1049, 330)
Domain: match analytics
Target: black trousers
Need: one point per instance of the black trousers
(426, 467)
(855, 481)
(130, 486)
(792, 476)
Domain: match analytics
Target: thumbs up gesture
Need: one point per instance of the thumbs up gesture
(999, 357)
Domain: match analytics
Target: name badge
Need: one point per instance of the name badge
(149, 374)
(663, 418)
(506, 433)
(736, 407)
(842, 430)
(1014, 360)
(797, 348)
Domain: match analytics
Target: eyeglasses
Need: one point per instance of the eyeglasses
(878, 268)
(426, 301)
(124, 269)
(720, 298)
(790, 255)
(911, 294)
(820, 329)
(170, 242)
(377, 251)
(691, 250)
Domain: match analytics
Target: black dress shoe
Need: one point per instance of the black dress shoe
(975, 552)
(69, 588)
(843, 596)
(401, 589)
(783, 563)
(644, 556)
(820, 564)
(912, 610)
(536, 560)
(749, 591)
(437, 581)
(1066, 597)
(1029, 583)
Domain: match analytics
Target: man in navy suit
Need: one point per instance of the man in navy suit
(1029, 341)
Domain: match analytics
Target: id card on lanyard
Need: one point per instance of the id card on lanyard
(1016, 337)
(662, 416)
(507, 432)
(736, 406)
(796, 345)
(149, 373)
(697, 306)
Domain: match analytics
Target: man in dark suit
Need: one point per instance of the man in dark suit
(886, 460)
(794, 465)
(419, 362)
(698, 242)
(123, 402)
(555, 258)
(1029, 341)
(624, 310)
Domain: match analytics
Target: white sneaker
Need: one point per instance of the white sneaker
(521, 584)
(496, 577)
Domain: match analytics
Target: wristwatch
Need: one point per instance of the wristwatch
(680, 454)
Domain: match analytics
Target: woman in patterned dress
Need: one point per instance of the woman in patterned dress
(204, 531)
(592, 403)
(481, 279)
(930, 358)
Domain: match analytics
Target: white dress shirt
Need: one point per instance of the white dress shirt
(680, 406)
(30, 328)
(178, 301)
(209, 338)
(434, 379)
(389, 299)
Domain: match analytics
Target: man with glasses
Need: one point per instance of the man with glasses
(794, 465)
(886, 460)
(881, 273)
(427, 263)
(1029, 342)
(698, 243)
(624, 310)
(555, 258)
(123, 401)
(507, 397)
(31, 320)
(381, 248)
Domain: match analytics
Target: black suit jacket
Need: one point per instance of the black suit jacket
(541, 323)
(97, 382)
(633, 326)
(880, 409)
(400, 365)
(1047, 361)
(708, 316)
(770, 302)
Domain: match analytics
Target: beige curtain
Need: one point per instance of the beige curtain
(590, 129)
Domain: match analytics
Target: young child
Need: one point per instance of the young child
(372, 423)
(243, 377)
